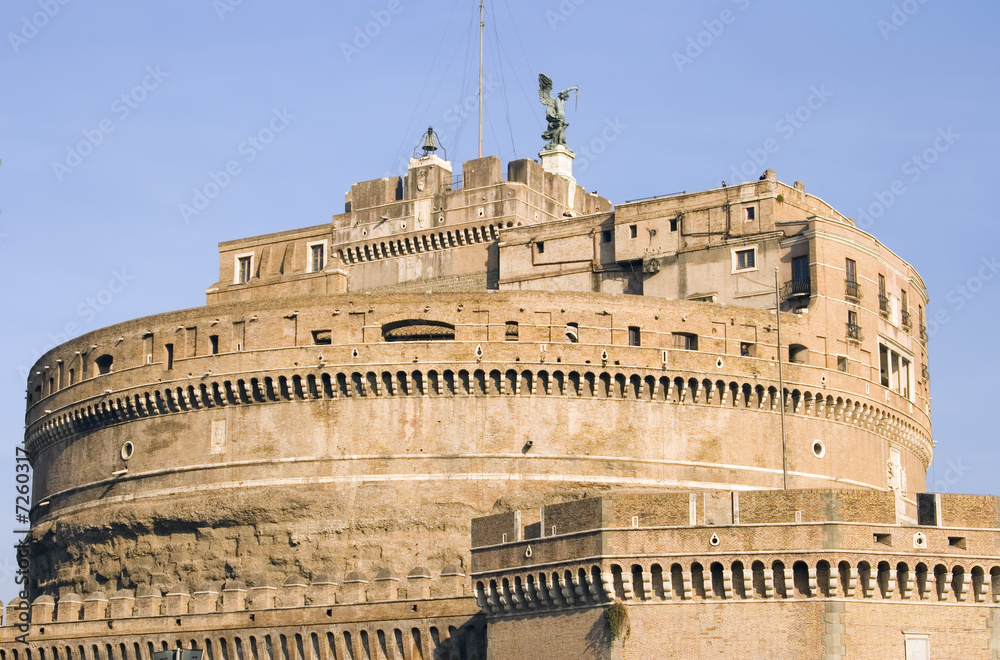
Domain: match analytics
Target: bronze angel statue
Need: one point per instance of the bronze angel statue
(555, 110)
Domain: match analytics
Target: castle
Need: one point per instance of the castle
(473, 415)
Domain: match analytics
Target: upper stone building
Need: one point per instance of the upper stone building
(355, 393)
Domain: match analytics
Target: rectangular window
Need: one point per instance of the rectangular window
(800, 268)
(685, 341)
(883, 299)
(745, 259)
(72, 376)
(147, 343)
(852, 271)
(895, 371)
(511, 332)
(904, 310)
(541, 246)
(317, 257)
(633, 231)
(239, 335)
(322, 337)
(747, 349)
(243, 269)
(168, 356)
(634, 336)
(214, 339)
(607, 236)
(751, 213)
(842, 363)
(673, 224)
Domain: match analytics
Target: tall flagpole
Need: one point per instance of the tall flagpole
(482, 24)
(781, 383)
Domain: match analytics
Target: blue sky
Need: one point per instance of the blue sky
(115, 114)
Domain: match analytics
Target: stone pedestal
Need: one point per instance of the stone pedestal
(558, 160)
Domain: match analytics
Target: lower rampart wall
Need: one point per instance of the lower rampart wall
(132, 626)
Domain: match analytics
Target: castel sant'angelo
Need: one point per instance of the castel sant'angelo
(486, 414)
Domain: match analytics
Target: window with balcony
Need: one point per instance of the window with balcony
(800, 286)
(904, 306)
(853, 329)
(883, 298)
(853, 291)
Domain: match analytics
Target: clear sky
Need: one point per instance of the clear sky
(114, 115)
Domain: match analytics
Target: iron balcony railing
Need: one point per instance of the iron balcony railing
(883, 304)
(796, 288)
(854, 332)
(853, 289)
(923, 333)
(906, 320)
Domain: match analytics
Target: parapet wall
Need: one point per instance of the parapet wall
(385, 617)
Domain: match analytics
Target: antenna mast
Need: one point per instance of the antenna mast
(482, 24)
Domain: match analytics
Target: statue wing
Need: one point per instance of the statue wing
(545, 90)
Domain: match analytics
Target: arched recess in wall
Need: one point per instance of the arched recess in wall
(103, 364)
(418, 330)
(798, 354)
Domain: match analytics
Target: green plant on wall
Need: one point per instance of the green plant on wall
(616, 617)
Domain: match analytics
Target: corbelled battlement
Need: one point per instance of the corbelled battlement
(237, 596)
(736, 546)
(425, 617)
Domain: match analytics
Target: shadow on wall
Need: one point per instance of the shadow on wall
(599, 640)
